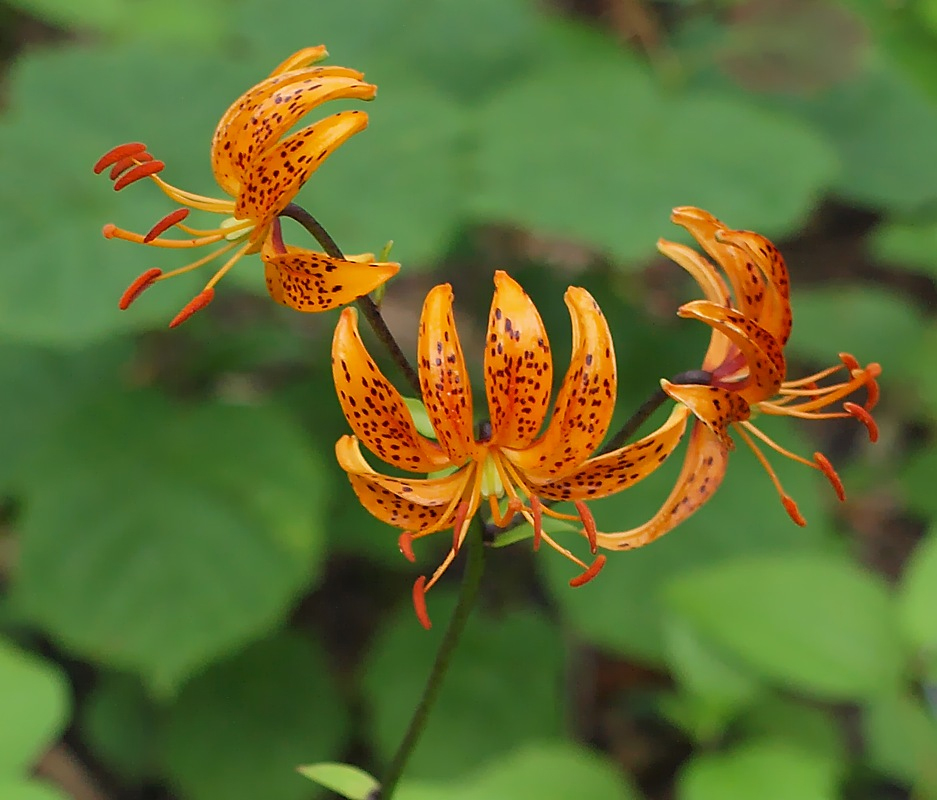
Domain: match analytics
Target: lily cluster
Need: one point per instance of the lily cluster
(520, 458)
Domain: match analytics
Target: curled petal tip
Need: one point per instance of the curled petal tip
(824, 465)
(116, 154)
(405, 543)
(792, 510)
(138, 286)
(865, 418)
(590, 573)
(197, 303)
(419, 602)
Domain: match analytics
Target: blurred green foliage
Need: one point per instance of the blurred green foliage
(178, 537)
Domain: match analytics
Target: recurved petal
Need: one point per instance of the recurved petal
(585, 402)
(301, 58)
(374, 409)
(605, 475)
(309, 281)
(715, 407)
(447, 393)
(762, 352)
(416, 504)
(271, 182)
(703, 470)
(518, 365)
(243, 114)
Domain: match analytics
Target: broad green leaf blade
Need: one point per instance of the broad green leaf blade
(907, 245)
(240, 729)
(796, 722)
(22, 789)
(481, 709)
(902, 739)
(818, 624)
(34, 699)
(197, 526)
(766, 770)
(593, 150)
(344, 779)
(917, 595)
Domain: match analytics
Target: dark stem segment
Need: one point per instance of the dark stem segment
(366, 305)
(471, 581)
(630, 428)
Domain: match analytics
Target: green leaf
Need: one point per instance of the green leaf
(526, 531)
(901, 733)
(34, 699)
(240, 729)
(197, 526)
(21, 789)
(917, 595)
(766, 770)
(420, 417)
(604, 155)
(544, 771)
(481, 710)
(813, 622)
(344, 779)
(908, 245)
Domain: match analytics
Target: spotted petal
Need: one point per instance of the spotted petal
(715, 407)
(447, 393)
(309, 281)
(374, 408)
(419, 505)
(703, 470)
(271, 182)
(518, 365)
(605, 475)
(585, 401)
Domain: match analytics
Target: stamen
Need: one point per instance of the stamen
(872, 395)
(419, 602)
(458, 524)
(536, 510)
(138, 173)
(165, 224)
(115, 154)
(405, 543)
(865, 418)
(590, 573)
(588, 524)
(792, 510)
(202, 299)
(824, 465)
(126, 163)
(137, 288)
(849, 361)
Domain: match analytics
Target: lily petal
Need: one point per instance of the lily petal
(703, 470)
(447, 393)
(518, 365)
(605, 475)
(763, 354)
(419, 505)
(715, 407)
(271, 182)
(374, 408)
(301, 58)
(309, 281)
(585, 402)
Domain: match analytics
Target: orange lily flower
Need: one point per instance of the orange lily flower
(504, 457)
(261, 172)
(751, 321)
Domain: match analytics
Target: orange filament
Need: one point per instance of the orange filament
(589, 574)
(865, 418)
(137, 288)
(172, 218)
(115, 154)
(790, 506)
(588, 524)
(197, 303)
(144, 170)
(824, 465)
(419, 602)
(536, 512)
(405, 543)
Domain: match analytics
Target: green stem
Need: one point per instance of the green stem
(367, 306)
(471, 581)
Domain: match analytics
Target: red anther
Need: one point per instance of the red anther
(127, 162)
(871, 388)
(536, 511)
(197, 303)
(405, 543)
(419, 602)
(849, 361)
(792, 510)
(115, 154)
(827, 469)
(136, 288)
(172, 218)
(588, 524)
(458, 525)
(589, 574)
(865, 418)
(108, 230)
(138, 173)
